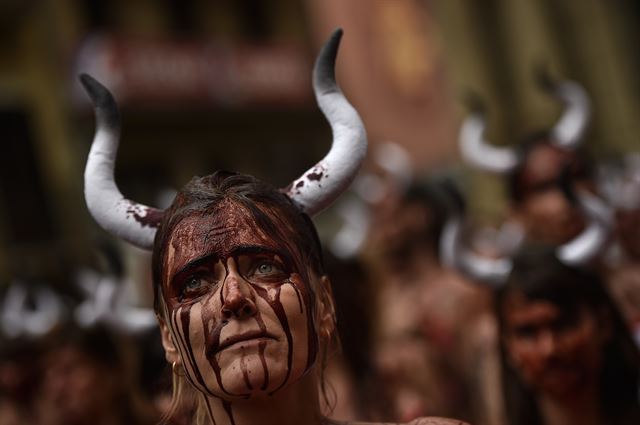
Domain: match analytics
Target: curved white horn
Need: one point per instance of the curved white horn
(12, 314)
(47, 314)
(319, 186)
(570, 128)
(588, 244)
(492, 272)
(103, 304)
(478, 152)
(348, 241)
(134, 320)
(129, 220)
(18, 319)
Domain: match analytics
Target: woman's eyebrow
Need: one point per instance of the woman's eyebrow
(252, 249)
(193, 264)
(262, 249)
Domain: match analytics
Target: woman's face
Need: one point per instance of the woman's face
(553, 351)
(239, 314)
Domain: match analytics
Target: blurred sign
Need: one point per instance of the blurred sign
(152, 72)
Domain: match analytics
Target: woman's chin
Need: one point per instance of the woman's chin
(252, 378)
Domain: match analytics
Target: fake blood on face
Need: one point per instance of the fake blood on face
(205, 237)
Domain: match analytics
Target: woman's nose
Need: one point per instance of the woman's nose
(237, 298)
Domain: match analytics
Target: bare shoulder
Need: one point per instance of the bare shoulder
(436, 421)
(419, 421)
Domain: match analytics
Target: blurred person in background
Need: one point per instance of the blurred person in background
(28, 312)
(619, 184)
(537, 201)
(499, 274)
(567, 355)
(534, 168)
(426, 315)
(352, 383)
(90, 377)
(20, 373)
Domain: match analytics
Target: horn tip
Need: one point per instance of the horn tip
(334, 41)
(324, 80)
(543, 77)
(473, 101)
(98, 93)
(330, 48)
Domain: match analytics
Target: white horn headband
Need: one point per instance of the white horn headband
(319, 186)
(104, 304)
(586, 246)
(314, 191)
(481, 154)
(129, 220)
(17, 319)
(567, 132)
(494, 271)
(491, 271)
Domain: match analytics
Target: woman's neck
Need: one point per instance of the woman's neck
(297, 404)
(581, 407)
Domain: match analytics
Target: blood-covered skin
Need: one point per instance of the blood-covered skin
(239, 311)
(555, 352)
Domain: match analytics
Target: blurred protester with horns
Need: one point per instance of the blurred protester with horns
(619, 184)
(567, 355)
(534, 167)
(427, 321)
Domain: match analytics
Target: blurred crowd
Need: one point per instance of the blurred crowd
(531, 320)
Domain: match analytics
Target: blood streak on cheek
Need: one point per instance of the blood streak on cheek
(303, 291)
(212, 329)
(276, 305)
(181, 319)
(261, 347)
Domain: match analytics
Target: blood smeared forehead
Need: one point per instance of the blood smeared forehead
(218, 233)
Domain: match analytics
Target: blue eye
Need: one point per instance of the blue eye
(262, 268)
(193, 283)
(191, 287)
(265, 268)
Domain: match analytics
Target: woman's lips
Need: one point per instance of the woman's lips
(246, 336)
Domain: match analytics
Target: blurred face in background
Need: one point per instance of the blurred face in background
(555, 352)
(543, 209)
(19, 374)
(76, 389)
(398, 228)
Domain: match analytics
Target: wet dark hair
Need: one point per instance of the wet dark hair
(274, 213)
(539, 275)
(577, 163)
